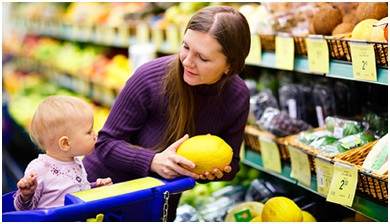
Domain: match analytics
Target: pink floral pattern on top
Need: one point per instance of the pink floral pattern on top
(55, 180)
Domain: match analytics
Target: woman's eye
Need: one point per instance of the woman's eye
(185, 47)
(203, 59)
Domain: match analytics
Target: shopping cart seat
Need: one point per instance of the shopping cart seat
(140, 200)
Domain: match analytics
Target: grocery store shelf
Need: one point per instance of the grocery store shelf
(360, 204)
(337, 69)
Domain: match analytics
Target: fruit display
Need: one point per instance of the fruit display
(28, 90)
(61, 43)
(207, 152)
(281, 209)
(244, 211)
(358, 20)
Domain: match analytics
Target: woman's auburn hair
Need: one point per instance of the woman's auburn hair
(230, 28)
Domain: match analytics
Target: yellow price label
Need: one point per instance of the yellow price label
(124, 35)
(284, 51)
(300, 166)
(254, 56)
(343, 186)
(318, 55)
(142, 33)
(157, 37)
(324, 171)
(270, 154)
(172, 34)
(363, 61)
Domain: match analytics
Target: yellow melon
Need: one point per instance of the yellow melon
(207, 152)
(281, 209)
(307, 217)
(362, 30)
(256, 219)
(378, 32)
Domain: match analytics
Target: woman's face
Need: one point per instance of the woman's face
(202, 59)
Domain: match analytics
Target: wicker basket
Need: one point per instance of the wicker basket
(267, 42)
(251, 141)
(340, 49)
(300, 46)
(370, 184)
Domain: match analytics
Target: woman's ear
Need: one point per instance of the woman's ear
(64, 143)
(227, 70)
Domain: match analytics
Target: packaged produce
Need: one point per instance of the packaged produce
(345, 97)
(280, 123)
(262, 100)
(341, 127)
(378, 123)
(377, 158)
(324, 102)
(187, 213)
(347, 143)
(292, 100)
(308, 137)
(323, 140)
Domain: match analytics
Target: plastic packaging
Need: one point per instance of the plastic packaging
(342, 127)
(324, 103)
(280, 124)
(262, 100)
(347, 143)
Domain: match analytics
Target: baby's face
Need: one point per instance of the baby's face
(83, 137)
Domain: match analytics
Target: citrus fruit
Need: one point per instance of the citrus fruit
(281, 209)
(207, 152)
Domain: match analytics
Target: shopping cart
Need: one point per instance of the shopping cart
(139, 200)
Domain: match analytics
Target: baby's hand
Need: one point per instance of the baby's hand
(27, 186)
(103, 182)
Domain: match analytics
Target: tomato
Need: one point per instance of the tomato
(386, 33)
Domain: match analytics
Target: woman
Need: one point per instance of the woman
(195, 92)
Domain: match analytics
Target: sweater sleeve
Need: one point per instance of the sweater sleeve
(115, 146)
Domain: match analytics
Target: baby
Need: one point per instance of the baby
(62, 127)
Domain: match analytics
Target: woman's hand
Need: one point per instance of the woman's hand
(167, 163)
(27, 186)
(215, 174)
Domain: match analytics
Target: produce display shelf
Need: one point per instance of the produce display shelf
(360, 204)
(337, 69)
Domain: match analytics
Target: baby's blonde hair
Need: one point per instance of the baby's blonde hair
(54, 116)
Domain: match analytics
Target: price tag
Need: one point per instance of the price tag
(300, 166)
(318, 55)
(157, 37)
(172, 39)
(363, 61)
(324, 170)
(284, 51)
(124, 35)
(270, 154)
(243, 216)
(109, 37)
(142, 33)
(254, 56)
(343, 186)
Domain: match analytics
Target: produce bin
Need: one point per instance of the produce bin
(139, 200)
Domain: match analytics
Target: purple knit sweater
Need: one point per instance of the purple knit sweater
(138, 118)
